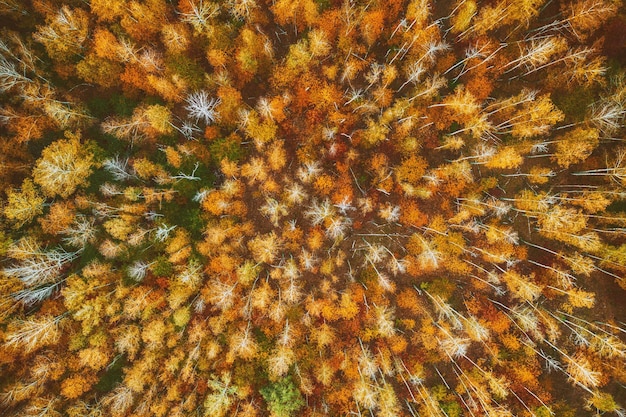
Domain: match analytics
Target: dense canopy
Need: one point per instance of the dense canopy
(312, 207)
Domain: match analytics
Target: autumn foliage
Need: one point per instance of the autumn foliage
(312, 207)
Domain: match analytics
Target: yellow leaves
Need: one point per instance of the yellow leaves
(248, 54)
(324, 373)
(575, 146)
(65, 32)
(33, 333)
(95, 69)
(217, 203)
(411, 170)
(418, 11)
(23, 205)
(376, 132)
(144, 19)
(384, 318)
(585, 16)
(137, 376)
(74, 292)
(525, 374)
(176, 37)
(522, 11)
(279, 362)
(277, 157)
(261, 132)
(93, 358)
(540, 175)
(146, 169)
(320, 114)
(462, 102)
(229, 168)
(318, 43)
(243, 345)
(522, 287)
(64, 166)
(527, 200)
(108, 10)
(264, 248)
(296, 12)
(128, 340)
(591, 202)
(254, 171)
(179, 246)
(388, 401)
(603, 402)
(159, 118)
(170, 89)
(463, 16)
(105, 44)
(181, 316)
(372, 25)
(506, 158)
(154, 333)
(578, 298)
(324, 184)
(120, 227)
(324, 336)
(536, 118)
(581, 371)
(75, 386)
(562, 220)
(348, 308)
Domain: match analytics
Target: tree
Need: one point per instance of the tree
(65, 33)
(535, 118)
(282, 397)
(585, 16)
(201, 107)
(218, 401)
(372, 25)
(506, 158)
(143, 20)
(465, 11)
(98, 70)
(36, 266)
(604, 403)
(75, 386)
(198, 13)
(575, 146)
(10, 76)
(64, 166)
(33, 333)
(25, 204)
(296, 12)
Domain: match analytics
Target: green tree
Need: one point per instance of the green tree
(283, 397)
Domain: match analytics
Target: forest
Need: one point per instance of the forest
(281, 208)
